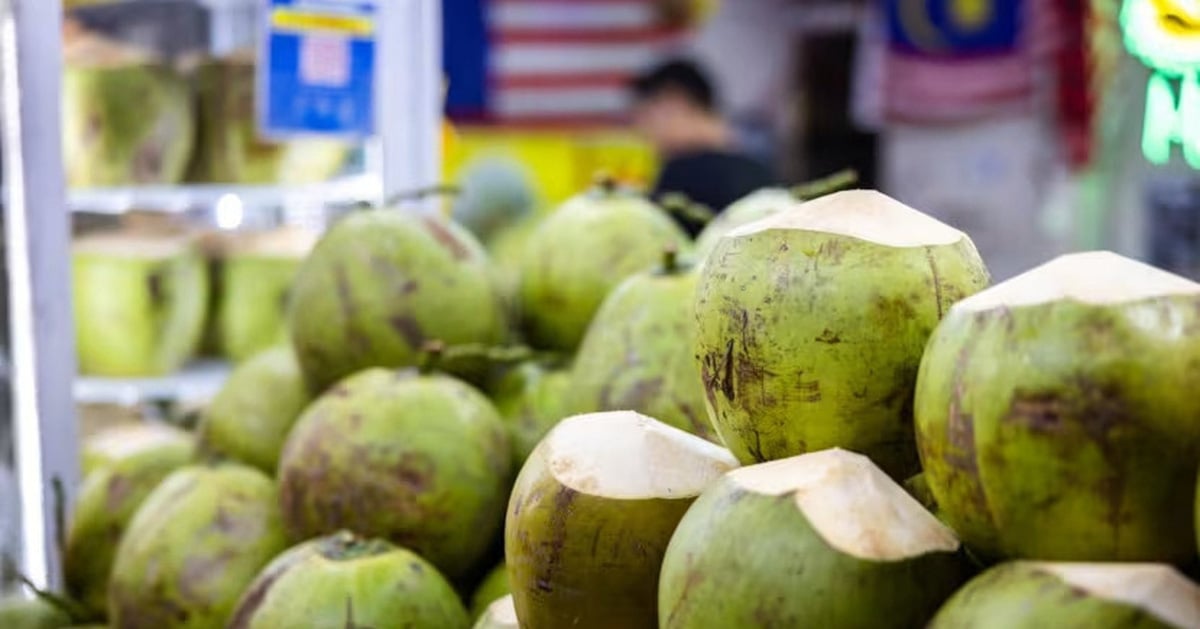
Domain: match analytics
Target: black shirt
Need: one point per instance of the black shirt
(714, 179)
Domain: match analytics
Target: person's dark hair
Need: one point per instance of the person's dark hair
(681, 76)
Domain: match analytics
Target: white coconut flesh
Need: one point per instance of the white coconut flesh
(854, 506)
(1155, 588)
(627, 456)
(1093, 277)
(862, 214)
(136, 246)
(120, 442)
(502, 613)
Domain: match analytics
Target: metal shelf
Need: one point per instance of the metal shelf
(185, 198)
(197, 382)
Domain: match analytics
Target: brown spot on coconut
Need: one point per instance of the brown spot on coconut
(124, 466)
(1055, 413)
(192, 548)
(857, 266)
(1093, 595)
(420, 460)
(346, 581)
(825, 539)
(501, 614)
(592, 512)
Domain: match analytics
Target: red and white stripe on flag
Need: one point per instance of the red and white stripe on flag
(570, 61)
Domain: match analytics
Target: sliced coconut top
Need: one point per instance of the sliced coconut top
(1093, 277)
(501, 613)
(119, 442)
(132, 244)
(285, 242)
(852, 504)
(86, 49)
(1156, 588)
(628, 456)
(862, 214)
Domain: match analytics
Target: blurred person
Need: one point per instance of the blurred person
(675, 109)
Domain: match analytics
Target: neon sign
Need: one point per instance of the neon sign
(1165, 36)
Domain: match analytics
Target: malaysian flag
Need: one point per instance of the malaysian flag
(950, 60)
(556, 62)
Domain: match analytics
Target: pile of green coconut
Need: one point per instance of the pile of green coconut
(818, 414)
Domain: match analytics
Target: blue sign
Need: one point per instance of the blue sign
(317, 72)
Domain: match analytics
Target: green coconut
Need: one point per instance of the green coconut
(1056, 417)
(637, 354)
(229, 149)
(136, 459)
(580, 253)
(501, 614)
(422, 460)
(531, 399)
(140, 301)
(345, 581)
(1032, 595)
(17, 612)
(493, 587)
(383, 283)
(192, 548)
(252, 414)
(591, 514)
(824, 539)
(255, 274)
(811, 323)
(126, 118)
(113, 445)
(506, 248)
(755, 206)
(496, 192)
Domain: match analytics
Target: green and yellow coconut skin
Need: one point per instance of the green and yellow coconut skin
(577, 558)
(255, 275)
(580, 253)
(747, 556)
(501, 614)
(423, 461)
(381, 284)
(531, 399)
(140, 302)
(637, 354)
(344, 581)
(31, 613)
(1062, 429)
(135, 460)
(252, 414)
(192, 548)
(126, 118)
(811, 324)
(493, 587)
(1031, 595)
(229, 148)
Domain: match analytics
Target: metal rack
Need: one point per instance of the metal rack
(404, 155)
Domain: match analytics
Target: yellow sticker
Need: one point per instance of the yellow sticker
(308, 21)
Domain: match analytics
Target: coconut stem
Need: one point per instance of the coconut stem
(826, 185)
(432, 354)
(605, 182)
(670, 259)
(445, 190)
(346, 546)
(678, 205)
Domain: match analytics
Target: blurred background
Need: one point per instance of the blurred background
(1037, 126)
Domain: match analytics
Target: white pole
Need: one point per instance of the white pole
(409, 87)
(37, 234)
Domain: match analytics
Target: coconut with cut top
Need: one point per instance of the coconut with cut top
(1028, 594)
(140, 300)
(343, 580)
(824, 539)
(1056, 415)
(253, 275)
(592, 512)
(501, 614)
(811, 323)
